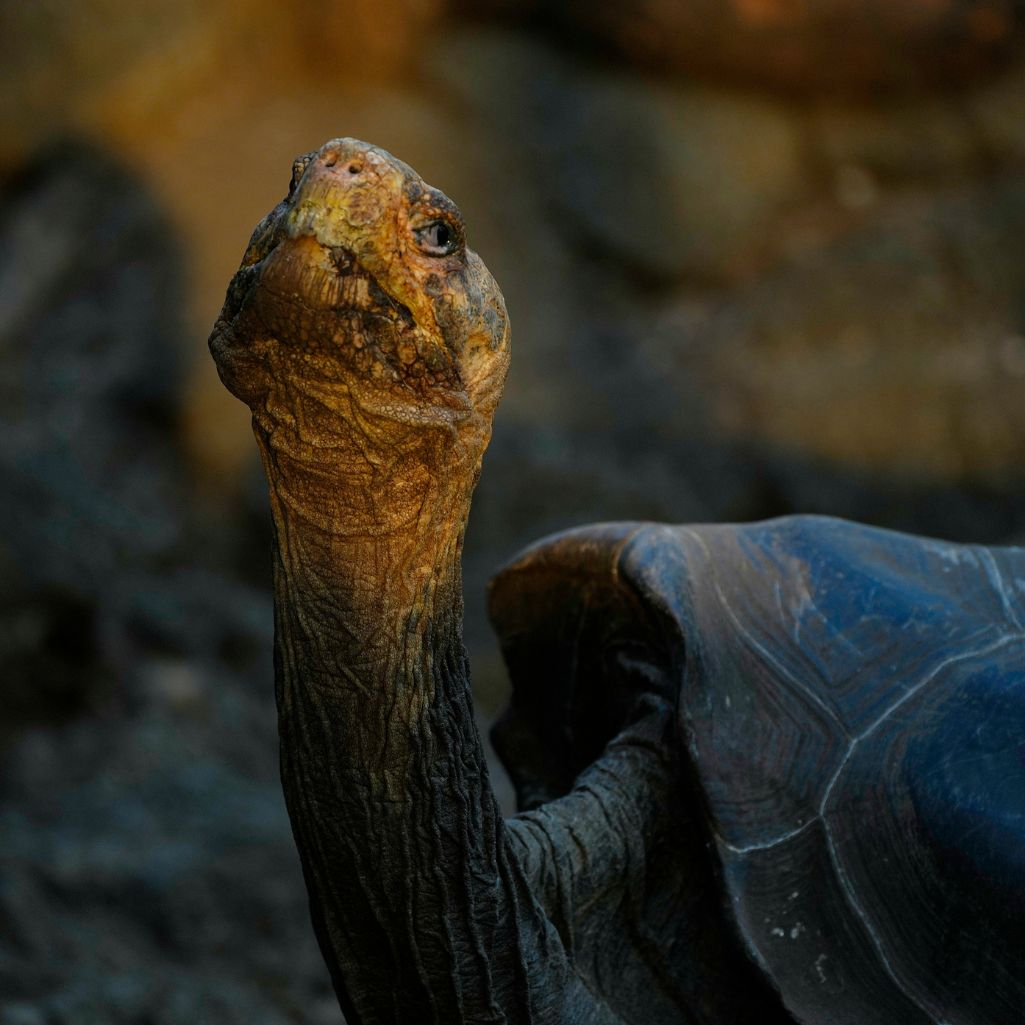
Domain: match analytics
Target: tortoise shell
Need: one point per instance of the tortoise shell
(851, 722)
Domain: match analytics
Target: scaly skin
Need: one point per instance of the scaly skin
(371, 346)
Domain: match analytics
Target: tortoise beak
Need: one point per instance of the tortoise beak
(345, 197)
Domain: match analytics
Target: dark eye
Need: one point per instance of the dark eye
(439, 238)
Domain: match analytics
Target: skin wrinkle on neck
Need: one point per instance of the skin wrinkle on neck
(412, 658)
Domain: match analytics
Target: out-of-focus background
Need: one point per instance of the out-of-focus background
(761, 256)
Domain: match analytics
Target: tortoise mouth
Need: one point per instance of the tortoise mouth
(321, 311)
(308, 295)
(359, 292)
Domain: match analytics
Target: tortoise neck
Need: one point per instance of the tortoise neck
(382, 607)
(421, 911)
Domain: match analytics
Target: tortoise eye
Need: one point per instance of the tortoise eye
(438, 238)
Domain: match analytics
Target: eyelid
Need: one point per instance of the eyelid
(429, 217)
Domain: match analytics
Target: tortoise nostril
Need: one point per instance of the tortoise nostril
(330, 159)
(355, 168)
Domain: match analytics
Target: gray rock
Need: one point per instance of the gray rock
(667, 181)
(675, 182)
(898, 351)
(89, 376)
(148, 867)
(921, 139)
(834, 44)
(998, 114)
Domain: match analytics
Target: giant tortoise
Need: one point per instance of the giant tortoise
(770, 773)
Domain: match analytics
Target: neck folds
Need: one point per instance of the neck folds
(420, 910)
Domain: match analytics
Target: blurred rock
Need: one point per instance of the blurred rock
(998, 114)
(848, 45)
(625, 422)
(90, 318)
(511, 76)
(674, 182)
(64, 63)
(149, 874)
(898, 351)
(123, 69)
(916, 140)
(50, 665)
(669, 181)
(377, 38)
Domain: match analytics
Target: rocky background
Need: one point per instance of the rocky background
(761, 256)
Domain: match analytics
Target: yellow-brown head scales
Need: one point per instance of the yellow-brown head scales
(361, 278)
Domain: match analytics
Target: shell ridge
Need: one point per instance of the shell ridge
(706, 572)
(996, 579)
(785, 673)
(765, 845)
(621, 551)
(838, 867)
(987, 649)
(855, 905)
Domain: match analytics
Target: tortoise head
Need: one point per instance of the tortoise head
(360, 328)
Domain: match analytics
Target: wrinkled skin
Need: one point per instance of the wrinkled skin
(371, 344)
